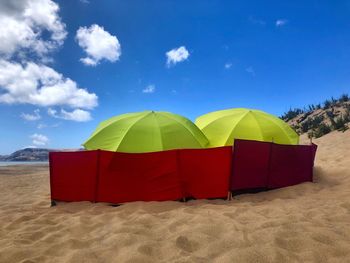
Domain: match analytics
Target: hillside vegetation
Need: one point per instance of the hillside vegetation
(320, 119)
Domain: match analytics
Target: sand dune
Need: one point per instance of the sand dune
(305, 223)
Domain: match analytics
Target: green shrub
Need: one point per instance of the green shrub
(344, 98)
(291, 113)
(330, 114)
(339, 124)
(322, 130)
(327, 104)
(311, 123)
(305, 126)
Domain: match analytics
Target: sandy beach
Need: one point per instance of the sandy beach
(304, 223)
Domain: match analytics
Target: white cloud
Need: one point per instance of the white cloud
(228, 65)
(176, 55)
(149, 89)
(281, 22)
(250, 70)
(98, 45)
(43, 125)
(31, 117)
(29, 31)
(85, 1)
(75, 115)
(41, 85)
(52, 112)
(39, 139)
(24, 23)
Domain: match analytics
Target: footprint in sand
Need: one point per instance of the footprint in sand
(146, 250)
(185, 244)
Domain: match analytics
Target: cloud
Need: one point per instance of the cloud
(41, 85)
(30, 30)
(281, 22)
(24, 23)
(149, 89)
(176, 55)
(43, 125)
(31, 117)
(52, 113)
(98, 45)
(12, 7)
(75, 115)
(39, 139)
(85, 1)
(228, 65)
(250, 70)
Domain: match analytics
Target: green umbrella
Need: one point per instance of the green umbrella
(146, 131)
(222, 127)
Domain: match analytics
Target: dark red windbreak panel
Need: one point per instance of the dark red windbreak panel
(290, 165)
(205, 173)
(73, 175)
(250, 164)
(126, 177)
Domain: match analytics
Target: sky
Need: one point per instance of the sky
(67, 65)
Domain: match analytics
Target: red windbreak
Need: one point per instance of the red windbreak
(250, 165)
(102, 176)
(268, 165)
(73, 175)
(290, 165)
(126, 177)
(205, 172)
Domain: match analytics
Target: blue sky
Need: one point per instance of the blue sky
(268, 55)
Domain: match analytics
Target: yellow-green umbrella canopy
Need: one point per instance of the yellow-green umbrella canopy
(222, 127)
(146, 131)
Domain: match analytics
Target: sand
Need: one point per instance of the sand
(305, 223)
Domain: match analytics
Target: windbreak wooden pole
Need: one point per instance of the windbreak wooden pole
(229, 196)
(229, 193)
(53, 202)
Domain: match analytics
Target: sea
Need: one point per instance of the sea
(21, 163)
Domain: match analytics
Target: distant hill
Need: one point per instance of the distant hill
(31, 154)
(318, 120)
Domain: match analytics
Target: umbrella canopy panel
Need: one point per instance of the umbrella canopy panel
(222, 127)
(146, 131)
